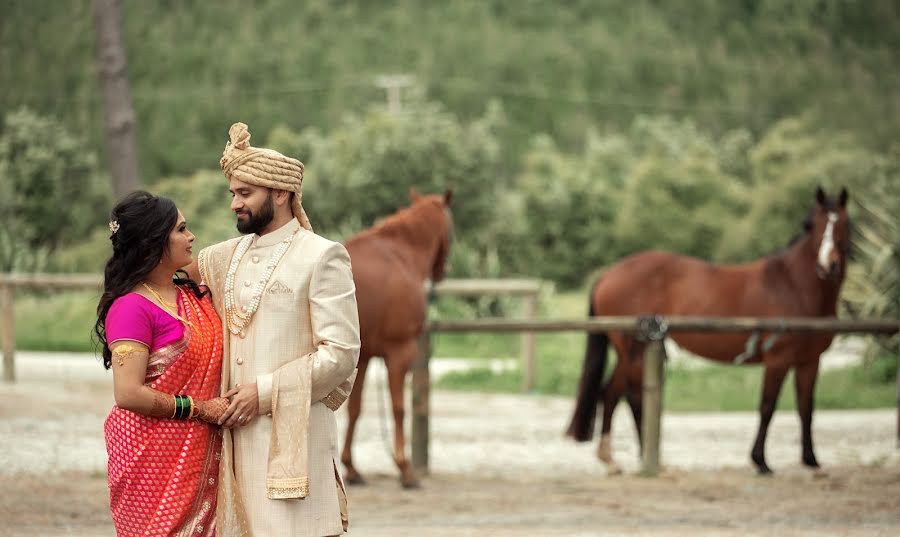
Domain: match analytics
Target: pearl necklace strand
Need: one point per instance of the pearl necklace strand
(236, 319)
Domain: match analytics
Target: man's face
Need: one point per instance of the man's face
(252, 204)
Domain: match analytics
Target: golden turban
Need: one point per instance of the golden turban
(263, 167)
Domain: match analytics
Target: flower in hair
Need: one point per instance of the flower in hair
(114, 226)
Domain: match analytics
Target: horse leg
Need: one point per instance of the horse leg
(398, 361)
(634, 397)
(354, 407)
(611, 395)
(772, 381)
(635, 393)
(805, 383)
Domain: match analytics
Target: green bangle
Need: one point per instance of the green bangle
(182, 406)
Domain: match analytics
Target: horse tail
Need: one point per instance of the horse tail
(590, 389)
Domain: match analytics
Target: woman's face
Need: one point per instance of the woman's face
(179, 252)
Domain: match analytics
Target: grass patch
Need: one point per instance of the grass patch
(62, 321)
(55, 321)
(712, 388)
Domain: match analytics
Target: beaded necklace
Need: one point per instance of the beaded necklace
(238, 319)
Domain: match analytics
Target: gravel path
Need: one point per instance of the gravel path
(500, 466)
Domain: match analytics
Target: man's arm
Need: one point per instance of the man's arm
(335, 325)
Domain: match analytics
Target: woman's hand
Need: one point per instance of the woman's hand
(211, 410)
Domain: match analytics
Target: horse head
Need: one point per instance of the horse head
(440, 219)
(830, 229)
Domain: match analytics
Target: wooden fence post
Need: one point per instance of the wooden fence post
(421, 394)
(528, 356)
(8, 331)
(653, 330)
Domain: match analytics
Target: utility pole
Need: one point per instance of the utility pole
(392, 84)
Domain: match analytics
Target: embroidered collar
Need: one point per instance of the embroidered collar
(274, 237)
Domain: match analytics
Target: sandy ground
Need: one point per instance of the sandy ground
(499, 466)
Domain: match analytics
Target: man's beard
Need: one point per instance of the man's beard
(256, 222)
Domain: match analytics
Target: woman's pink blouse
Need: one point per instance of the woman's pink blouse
(135, 317)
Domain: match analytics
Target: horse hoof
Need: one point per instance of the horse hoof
(411, 484)
(354, 480)
(613, 469)
(764, 471)
(811, 462)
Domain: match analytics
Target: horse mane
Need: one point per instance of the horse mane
(406, 223)
(805, 229)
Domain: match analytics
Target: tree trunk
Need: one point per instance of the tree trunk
(112, 69)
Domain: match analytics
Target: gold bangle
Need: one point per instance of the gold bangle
(175, 398)
(193, 408)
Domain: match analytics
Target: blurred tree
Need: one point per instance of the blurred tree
(49, 192)
(363, 169)
(786, 165)
(872, 288)
(112, 68)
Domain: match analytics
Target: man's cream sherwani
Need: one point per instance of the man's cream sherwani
(307, 312)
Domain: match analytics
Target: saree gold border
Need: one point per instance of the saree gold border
(197, 509)
(160, 360)
(284, 489)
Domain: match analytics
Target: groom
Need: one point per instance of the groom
(288, 305)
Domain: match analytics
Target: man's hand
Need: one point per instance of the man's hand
(243, 408)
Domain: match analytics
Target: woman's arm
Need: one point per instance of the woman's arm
(129, 365)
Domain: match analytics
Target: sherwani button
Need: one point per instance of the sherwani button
(240, 361)
(244, 309)
(248, 283)
(255, 259)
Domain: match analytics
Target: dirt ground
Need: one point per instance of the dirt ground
(500, 467)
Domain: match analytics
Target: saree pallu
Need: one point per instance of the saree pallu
(163, 473)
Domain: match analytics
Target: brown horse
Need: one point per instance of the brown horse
(802, 280)
(391, 263)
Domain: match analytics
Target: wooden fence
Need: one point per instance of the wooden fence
(654, 329)
(527, 289)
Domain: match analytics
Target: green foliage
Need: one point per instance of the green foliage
(558, 67)
(786, 166)
(872, 288)
(49, 193)
(364, 168)
(55, 321)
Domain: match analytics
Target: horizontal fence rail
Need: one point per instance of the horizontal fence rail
(653, 328)
(53, 281)
(671, 324)
(527, 289)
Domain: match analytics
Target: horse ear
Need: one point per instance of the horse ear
(843, 197)
(448, 197)
(413, 195)
(820, 196)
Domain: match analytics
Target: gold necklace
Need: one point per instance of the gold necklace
(170, 307)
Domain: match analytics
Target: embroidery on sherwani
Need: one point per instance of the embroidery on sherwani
(287, 474)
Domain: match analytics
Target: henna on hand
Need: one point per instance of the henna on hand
(211, 410)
